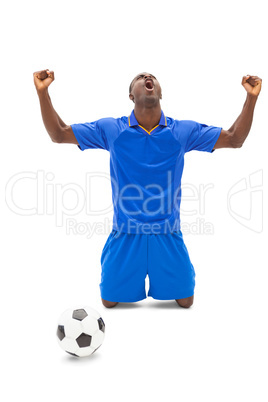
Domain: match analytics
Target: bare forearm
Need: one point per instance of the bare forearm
(60, 121)
(52, 121)
(242, 125)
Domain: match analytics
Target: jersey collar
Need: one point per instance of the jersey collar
(132, 121)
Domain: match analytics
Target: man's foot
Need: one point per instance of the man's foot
(186, 303)
(108, 304)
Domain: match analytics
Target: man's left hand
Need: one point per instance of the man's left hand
(252, 84)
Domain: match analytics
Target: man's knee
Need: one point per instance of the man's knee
(108, 304)
(186, 303)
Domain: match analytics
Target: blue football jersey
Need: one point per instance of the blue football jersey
(146, 167)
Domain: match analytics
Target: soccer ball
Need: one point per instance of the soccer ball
(80, 332)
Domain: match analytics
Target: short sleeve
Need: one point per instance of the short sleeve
(90, 135)
(202, 137)
(196, 136)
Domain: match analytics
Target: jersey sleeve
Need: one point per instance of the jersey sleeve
(91, 135)
(197, 136)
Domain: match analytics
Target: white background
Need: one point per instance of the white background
(153, 350)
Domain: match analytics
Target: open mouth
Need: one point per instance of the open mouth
(149, 85)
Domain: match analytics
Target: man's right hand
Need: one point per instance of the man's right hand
(58, 131)
(43, 78)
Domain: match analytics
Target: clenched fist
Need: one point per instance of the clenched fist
(252, 84)
(43, 78)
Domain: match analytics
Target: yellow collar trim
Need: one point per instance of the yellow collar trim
(149, 132)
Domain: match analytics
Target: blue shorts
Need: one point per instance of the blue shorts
(128, 258)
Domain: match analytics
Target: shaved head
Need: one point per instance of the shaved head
(137, 76)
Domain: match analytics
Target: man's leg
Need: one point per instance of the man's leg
(186, 303)
(170, 270)
(124, 268)
(108, 304)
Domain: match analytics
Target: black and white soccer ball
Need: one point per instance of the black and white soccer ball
(80, 332)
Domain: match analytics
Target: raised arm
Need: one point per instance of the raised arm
(58, 131)
(238, 132)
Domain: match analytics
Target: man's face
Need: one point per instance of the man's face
(145, 89)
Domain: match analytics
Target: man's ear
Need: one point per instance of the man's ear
(131, 97)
